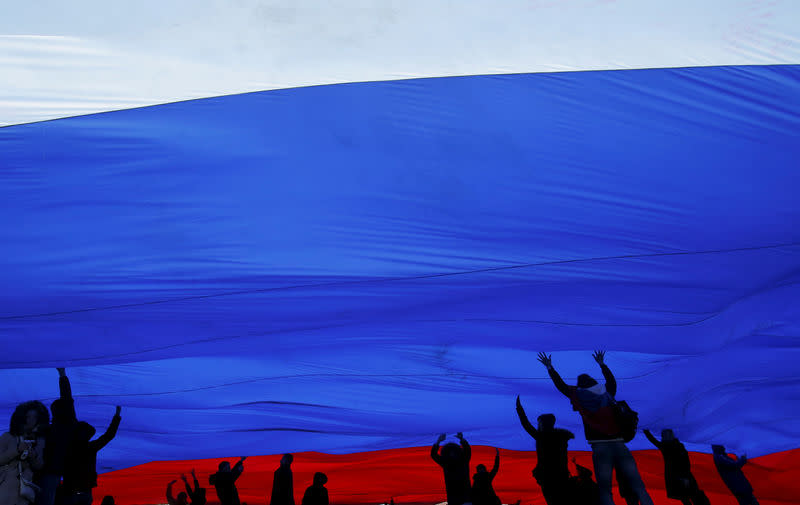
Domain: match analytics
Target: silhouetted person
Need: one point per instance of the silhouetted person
(595, 403)
(282, 485)
(482, 489)
(584, 490)
(731, 472)
(21, 453)
(316, 494)
(80, 470)
(454, 461)
(225, 482)
(107, 500)
(679, 482)
(552, 463)
(183, 498)
(197, 494)
(57, 441)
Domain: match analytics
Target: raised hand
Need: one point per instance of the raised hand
(599, 356)
(118, 411)
(193, 475)
(173, 482)
(546, 360)
(61, 372)
(460, 436)
(441, 438)
(183, 477)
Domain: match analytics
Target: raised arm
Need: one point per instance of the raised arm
(65, 393)
(170, 497)
(653, 440)
(611, 382)
(238, 468)
(547, 361)
(725, 460)
(196, 483)
(187, 485)
(523, 419)
(110, 433)
(496, 465)
(435, 449)
(465, 446)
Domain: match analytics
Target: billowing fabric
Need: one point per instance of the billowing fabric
(357, 267)
(62, 59)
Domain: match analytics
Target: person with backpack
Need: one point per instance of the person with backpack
(605, 425)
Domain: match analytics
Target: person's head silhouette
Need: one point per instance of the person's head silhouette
(28, 418)
(108, 500)
(320, 479)
(224, 467)
(481, 468)
(718, 449)
(286, 460)
(667, 435)
(183, 498)
(546, 422)
(586, 381)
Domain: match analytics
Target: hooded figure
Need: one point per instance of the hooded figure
(454, 461)
(316, 494)
(595, 403)
(282, 483)
(482, 489)
(731, 472)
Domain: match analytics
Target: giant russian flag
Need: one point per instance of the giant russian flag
(342, 228)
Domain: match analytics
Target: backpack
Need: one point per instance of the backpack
(627, 420)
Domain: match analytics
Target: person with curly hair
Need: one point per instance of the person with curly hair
(21, 453)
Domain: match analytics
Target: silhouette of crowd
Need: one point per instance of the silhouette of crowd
(53, 461)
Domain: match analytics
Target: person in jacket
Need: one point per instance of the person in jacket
(22, 453)
(57, 441)
(197, 494)
(282, 484)
(80, 470)
(595, 403)
(730, 470)
(552, 460)
(224, 481)
(679, 482)
(316, 494)
(454, 460)
(482, 490)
